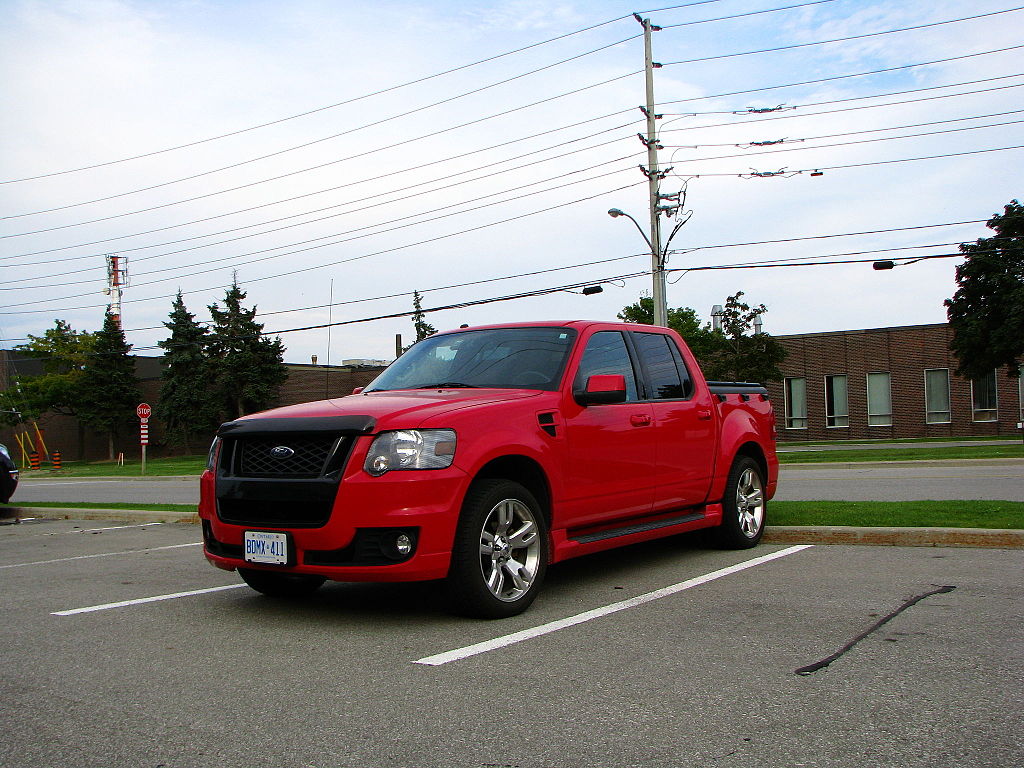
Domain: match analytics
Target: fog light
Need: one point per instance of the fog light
(403, 544)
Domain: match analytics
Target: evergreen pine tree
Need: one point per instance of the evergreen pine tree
(109, 384)
(186, 406)
(247, 366)
(423, 328)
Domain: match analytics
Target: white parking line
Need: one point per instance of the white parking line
(596, 613)
(141, 600)
(104, 554)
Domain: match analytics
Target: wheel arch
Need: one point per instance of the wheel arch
(525, 471)
(755, 452)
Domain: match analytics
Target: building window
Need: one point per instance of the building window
(837, 403)
(936, 396)
(879, 400)
(796, 403)
(983, 398)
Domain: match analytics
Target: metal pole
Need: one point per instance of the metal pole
(657, 263)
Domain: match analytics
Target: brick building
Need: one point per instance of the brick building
(887, 383)
(67, 435)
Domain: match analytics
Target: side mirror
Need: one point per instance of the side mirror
(357, 390)
(603, 389)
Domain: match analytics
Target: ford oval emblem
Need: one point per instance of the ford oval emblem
(282, 452)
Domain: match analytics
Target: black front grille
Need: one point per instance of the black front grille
(278, 478)
(290, 456)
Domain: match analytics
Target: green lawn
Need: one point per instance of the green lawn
(899, 514)
(175, 465)
(189, 508)
(1010, 450)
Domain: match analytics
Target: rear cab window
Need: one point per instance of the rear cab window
(665, 372)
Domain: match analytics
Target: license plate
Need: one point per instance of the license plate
(266, 547)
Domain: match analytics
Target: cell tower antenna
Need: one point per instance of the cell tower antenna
(117, 281)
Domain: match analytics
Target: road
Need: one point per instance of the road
(98, 674)
(999, 479)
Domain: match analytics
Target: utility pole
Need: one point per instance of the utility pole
(117, 281)
(653, 182)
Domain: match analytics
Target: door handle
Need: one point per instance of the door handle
(704, 414)
(640, 420)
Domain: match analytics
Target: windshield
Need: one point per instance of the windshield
(503, 358)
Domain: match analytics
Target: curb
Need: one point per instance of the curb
(992, 538)
(989, 538)
(10, 515)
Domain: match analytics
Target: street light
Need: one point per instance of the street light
(658, 256)
(657, 270)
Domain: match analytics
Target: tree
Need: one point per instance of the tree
(110, 388)
(63, 353)
(423, 328)
(248, 367)
(683, 320)
(186, 406)
(734, 353)
(743, 354)
(987, 311)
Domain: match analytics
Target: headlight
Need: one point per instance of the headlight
(214, 454)
(411, 449)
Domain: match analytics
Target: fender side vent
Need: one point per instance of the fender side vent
(547, 423)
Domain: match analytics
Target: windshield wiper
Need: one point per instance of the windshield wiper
(449, 385)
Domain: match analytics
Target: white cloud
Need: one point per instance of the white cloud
(95, 81)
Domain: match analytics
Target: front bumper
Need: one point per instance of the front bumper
(355, 542)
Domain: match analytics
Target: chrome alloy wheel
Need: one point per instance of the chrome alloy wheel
(510, 549)
(750, 502)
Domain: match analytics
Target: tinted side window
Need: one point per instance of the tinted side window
(606, 353)
(663, 365)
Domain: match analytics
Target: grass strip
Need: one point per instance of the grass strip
(871, 514)
(900, 514)
(1011, 450)
(187, 508)
(176, 465)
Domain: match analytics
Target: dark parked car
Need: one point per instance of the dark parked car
(8, 475)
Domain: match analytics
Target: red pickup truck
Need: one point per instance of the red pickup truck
(484, 454)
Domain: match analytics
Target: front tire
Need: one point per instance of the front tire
(743, 507)
(500, 553)
(274, 584)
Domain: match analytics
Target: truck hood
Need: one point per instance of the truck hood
(397, 409)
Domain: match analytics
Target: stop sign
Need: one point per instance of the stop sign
(143, 410)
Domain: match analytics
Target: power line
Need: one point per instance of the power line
(311, 168)
(386, 194)
(346, 260)
(841, 39)
(572, 266)
(820, 168)
(372, 124)
(389, 194)
(848, 143)
(323, 108)
(790, 116)
(531, 136)
(391, 229)
(852, 133)
(355, 98)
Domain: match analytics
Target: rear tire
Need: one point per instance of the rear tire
(275, 584)
(500, 554)
(744, 506)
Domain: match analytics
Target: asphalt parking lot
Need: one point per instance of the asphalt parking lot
(661, 654)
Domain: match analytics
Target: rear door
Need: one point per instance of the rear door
(684, 421)
(610, 472)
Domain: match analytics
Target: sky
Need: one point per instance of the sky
(334, 157)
